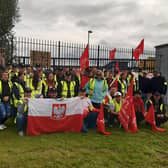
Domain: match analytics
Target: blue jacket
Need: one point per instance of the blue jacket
(99, 91)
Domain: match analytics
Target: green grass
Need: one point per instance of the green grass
(143, 149)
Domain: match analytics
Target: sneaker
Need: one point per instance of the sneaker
(21, 133)
(4, 126)
(1, 127)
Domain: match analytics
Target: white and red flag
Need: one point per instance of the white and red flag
(50, 115)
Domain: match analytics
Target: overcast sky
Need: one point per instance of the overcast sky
(115, 23)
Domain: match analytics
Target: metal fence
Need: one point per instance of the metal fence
(68, 54)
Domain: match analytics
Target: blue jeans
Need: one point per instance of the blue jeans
(21, 122)
(5, 112)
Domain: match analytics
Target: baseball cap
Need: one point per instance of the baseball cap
(117, 94)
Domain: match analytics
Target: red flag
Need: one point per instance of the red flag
(150, 118)
(127, 114)
(133, 124)
(84, 80)
(112, 54)
(84, 59)
(139, 50)
(100, 122)
(106, 99)
(115, 81)
(117, 67)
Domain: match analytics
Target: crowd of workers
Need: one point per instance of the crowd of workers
(19, 83)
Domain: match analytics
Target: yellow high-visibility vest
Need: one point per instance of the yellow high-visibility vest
(92, 84)
(65, 88)
(37, 91)
(21, 92)
(117, 106)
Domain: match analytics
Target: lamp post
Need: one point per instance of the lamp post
(89, 32)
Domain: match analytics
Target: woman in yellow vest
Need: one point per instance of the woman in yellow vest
(50, 86)
(36, 86)
(115, 106)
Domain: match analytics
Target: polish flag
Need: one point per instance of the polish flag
(50, 115)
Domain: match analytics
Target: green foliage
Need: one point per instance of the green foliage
(9, 15)
(121, 149)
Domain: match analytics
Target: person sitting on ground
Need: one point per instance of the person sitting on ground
(21, 119)
(138, 106)
(88, 110)
(115, 106)
(159, 109)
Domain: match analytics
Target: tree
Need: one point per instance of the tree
(9, 15)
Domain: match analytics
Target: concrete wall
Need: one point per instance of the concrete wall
(162, 61)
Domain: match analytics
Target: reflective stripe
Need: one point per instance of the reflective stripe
(165, 83)
(38, 91)
(161, 107)
(123, 87)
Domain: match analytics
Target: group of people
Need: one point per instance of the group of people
(19, 83)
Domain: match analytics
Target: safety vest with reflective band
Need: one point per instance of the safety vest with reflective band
(37, 91)
(134, 82)
(55, 77)
(117, 106)
(21, 93)
(10, 74)
(27, 79)
(10, 85)
(65, 88)
(92, 84)
(123, 87)
(148, 104)
(161, 107)
(47, 86)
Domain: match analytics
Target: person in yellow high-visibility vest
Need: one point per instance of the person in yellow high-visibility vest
(6, 110)
(67, 87)
(28, 76)
(115, 106)
(159, 109)
(96, 88)
(50, 86)
(21, 119)
(36, 86)
(18, 93)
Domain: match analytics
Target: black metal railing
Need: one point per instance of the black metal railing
(68, 54)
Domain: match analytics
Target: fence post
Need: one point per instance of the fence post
(132, 61)
(59, 49)
(98, 55)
